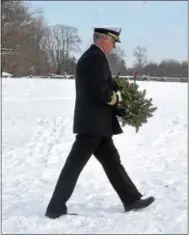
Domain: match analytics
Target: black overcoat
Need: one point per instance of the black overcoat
(93, 115)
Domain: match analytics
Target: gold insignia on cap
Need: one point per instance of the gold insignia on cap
(114, 36)
(113, 99)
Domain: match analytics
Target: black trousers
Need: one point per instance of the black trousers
(106, 153)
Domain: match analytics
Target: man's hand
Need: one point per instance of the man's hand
(120, 111)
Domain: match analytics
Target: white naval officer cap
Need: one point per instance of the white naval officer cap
(109, 30)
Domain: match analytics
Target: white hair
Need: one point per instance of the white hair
(98, 36)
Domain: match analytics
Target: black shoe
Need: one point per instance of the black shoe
(54, 215)
(139, 204)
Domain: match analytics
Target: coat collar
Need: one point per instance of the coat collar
(98, 48)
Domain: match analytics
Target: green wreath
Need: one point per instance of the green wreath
(134, 107)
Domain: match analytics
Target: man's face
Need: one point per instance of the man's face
(108, 44)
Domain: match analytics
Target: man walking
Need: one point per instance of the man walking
(95, 123)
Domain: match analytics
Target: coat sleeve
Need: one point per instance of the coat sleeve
(100, 84)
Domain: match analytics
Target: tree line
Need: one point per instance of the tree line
(29, 46)
(166, 68)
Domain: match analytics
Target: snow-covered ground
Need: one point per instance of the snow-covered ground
(37, 136)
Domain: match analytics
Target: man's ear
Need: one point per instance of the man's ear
(106, 39)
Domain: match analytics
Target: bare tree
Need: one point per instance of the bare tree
(15, 17)
(17, 27)
(60, 42)
(35, 45)
(140, 54)
(117, 62)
